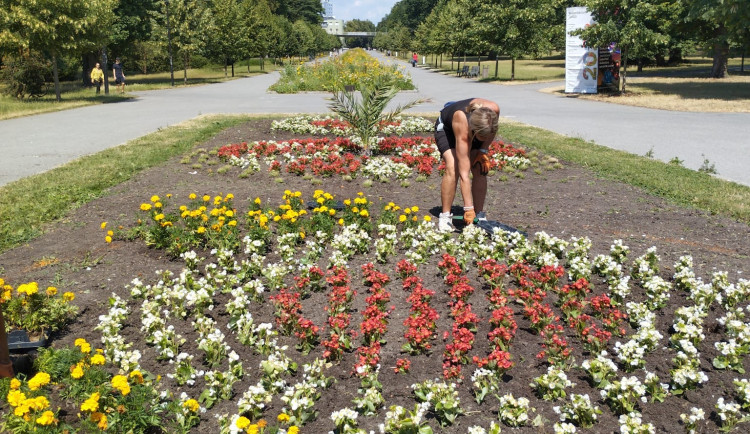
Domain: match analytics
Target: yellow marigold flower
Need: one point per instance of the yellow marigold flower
(22, 409)
(191, 405)
(98, 359)
(91, 404)
(137, 376)
(110, 233)
(253, 429)
(415, 209)
(206, 198)
(407, 210)
(38, 403)
(414, 218)
(100, 419)
(80, 341)
(283, 417)
(242, 422)
(402, 218)
(155, 198)
(159, 217)
(7, 295)
(355, 209)
(39, 380)
(183, 208)
(360, 194)
(169, 195)
(201, 230)
(232, 223)
(76, 371)
(229, 196)
(348, 202)
(341, 222)
(104, 225)
(276, 218)
(85, 347)
(47, 418)
(302, 235)
(262, 423)
(120, 382)
(15, 384)
(69, 296)
(51, 291)
(427, 218)
(332, 212)
(30, 288)
(287, 192)
(145, 207)
(192, 196)
(108, 239)
(16, 397)
(364, 213)
(166, 224)
(257, 201)
(229, 213)
(158, 205)
(294, 429)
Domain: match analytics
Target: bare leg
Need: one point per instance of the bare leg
(478, 186)
(448, 184)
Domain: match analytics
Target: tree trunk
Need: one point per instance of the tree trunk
(497, 65)
(742, 65)
(56, 77)
(640, 64)
(232, 69)
(624, 74)
(225, 67)
(88, 61)
(105, 67)
(721, 57)
(512, 68)
(184, 68)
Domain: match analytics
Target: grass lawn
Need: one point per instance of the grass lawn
(543, 69)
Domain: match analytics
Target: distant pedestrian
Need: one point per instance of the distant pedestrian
(414, 59)
(119, 76)
(97, 77)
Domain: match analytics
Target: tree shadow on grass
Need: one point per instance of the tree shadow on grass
(726, 91)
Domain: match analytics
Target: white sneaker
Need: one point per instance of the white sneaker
(445, 223)
(481, 216)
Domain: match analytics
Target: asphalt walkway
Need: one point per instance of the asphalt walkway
(35, 144)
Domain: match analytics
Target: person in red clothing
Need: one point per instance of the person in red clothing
(463, 134)
(414, 59)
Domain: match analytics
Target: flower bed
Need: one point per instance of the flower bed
(267, 356)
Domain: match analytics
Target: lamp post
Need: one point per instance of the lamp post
(169, 45)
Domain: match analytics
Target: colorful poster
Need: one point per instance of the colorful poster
(581, 63)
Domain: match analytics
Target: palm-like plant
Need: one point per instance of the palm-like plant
(366, 113)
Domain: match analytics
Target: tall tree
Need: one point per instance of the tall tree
(718, 24)
(259, 31)
(515, 27)
(54, 27)
(191, 23)
(306, 10)
(634, 25)
(226, 40)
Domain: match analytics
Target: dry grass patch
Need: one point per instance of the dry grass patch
(731, 95)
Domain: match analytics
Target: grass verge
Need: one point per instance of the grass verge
(27, 205)
(675, 183)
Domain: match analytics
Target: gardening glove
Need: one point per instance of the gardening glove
(483, 161)
(469, 216)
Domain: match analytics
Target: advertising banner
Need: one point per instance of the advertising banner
(581, 63)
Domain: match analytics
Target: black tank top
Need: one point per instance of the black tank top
(446, 115)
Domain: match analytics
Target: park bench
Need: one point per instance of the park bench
(462, 71)
(474, 72)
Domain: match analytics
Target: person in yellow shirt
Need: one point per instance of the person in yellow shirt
(97, 77)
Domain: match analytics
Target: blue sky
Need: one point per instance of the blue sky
(373, 10)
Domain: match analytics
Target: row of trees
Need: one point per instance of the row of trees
(645, 30)
(146, 33)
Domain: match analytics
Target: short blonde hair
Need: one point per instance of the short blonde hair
(483, 121)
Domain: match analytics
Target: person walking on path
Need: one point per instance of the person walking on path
(414, 59)
(463, 134)
(97, 77)
(119, 76)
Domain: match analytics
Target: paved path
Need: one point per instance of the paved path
(35, 144)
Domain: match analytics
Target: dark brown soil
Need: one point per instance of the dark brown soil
(564, 202)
